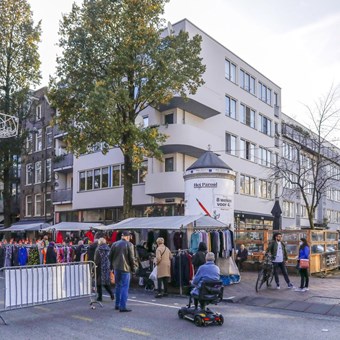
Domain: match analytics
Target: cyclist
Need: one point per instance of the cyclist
(278, 252)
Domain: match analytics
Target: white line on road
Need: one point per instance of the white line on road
(153, 303)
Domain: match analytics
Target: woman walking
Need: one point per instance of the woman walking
(163, 258)
(303, 255)
(101, 259)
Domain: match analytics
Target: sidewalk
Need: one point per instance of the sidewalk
(322, 298)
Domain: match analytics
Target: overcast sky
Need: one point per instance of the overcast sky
(295, 43)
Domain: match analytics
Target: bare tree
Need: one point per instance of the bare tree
(309, 166)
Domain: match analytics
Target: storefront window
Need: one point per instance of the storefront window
(318, 248)
(317, 237)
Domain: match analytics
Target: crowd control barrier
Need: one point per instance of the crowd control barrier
(29, 286)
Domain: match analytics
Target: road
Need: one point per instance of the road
(157, 319)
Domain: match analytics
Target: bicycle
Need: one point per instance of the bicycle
(266, 273)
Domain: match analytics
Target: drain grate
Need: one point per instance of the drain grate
(326, 300)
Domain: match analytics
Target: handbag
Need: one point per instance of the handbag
(304, 263)
(112, 278)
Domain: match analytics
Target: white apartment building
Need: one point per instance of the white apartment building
(236, 114)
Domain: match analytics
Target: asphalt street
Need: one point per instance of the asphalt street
(157, 319)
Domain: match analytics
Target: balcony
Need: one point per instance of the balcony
(165, 184)
(63, 163)
(62, 196)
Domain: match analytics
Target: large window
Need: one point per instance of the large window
(97, 178)
(48, 170)
(169, 119)
(29, 206)
(265, 93)
(265, 157)
(247, 185)
(29, 174)
(265, 189)
(89, 179)
(116, 176)
(38, 112)
(82, 182)
(247, 150)
(37, 205)
(230, 71)
(247, 82)
(49, 139)
(48, 204)
(247, 116)
(169, 164)
(38, 140)
(288, 151)
(230, 144)
(230, 107)
(288, 209)
(265, 125)
(37, 172)
(29, 143)
(105, 177)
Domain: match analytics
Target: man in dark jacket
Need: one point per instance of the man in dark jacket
(122, 260)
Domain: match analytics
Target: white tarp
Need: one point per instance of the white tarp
(27, 226)
(73, 226)
(167, 222)
(37, 285)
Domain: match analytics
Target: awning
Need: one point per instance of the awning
(26, 226)
(73, 226)
(166, 222)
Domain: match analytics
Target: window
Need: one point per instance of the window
(38, 112)
(247, 82)
(38, 140)
(265, 189)
(288, 151)
(230, 144)
(265, 93)
(37, 172)
(247, 150)
(89, 179)
(48, 170)
(230, 71)
(49, 139)
(29, 174)
(265, 157)
(265, 125)
(48, 204)
(105, 177)
(29, 206)
(304, 213)
(169, 119)
(37, 205)
(122, 174)
(247, 185)
(247, 116)
(29, 143)
(230, 107)
(82, 181)
(142, 172)
(97, 179)
(116, 176)
(145, 121)
(288, 209)
(169, 164)
(276, 99)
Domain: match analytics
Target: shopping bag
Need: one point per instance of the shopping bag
(112, 278)
(304, 263)
(153, 275)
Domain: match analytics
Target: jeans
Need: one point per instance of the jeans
(283, 268)
(122, 288)
(304, 277)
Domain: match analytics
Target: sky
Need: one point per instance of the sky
(294, 43)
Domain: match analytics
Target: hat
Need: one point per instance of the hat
(125, 233)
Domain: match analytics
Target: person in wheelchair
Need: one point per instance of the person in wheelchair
(206, 272)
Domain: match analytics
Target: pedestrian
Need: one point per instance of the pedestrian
(122, 260)
(101, 259)
(278, 252)
(92, 247)
(242, 255)
(303, 255)
(199, 257)
(51, 254)
(163, 263)
(79, 250)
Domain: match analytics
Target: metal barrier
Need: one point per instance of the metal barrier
(30, 286)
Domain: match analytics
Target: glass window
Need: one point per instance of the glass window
(48, 170)
(169, 118)
(29, 143)
(265, 125)
(265, 189)
(48, 204)
(38, 140)
(89, 179)
(242, 79)
(288, 209)
(37, 169)
(247, 82)
(145, 121)
(29, 174)
(37, 205)
(29, 206)
(247, 150)
(49, 139)
(96, 178)
(247, 185)
(230, 107)
(82, 181)
(247, 116)
(38, 112)
(230, 142)
(105, 177)
(233, 73)
(169, 164)
(116, 176)
(317, 237)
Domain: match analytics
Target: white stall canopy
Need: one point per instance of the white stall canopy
(74, 226)
(27, 226)
(167, 222)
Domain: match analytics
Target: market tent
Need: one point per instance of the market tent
(26, 226)
(73, 226)
(166, 222)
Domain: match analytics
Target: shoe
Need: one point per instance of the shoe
(277, 287)
(290, 285)
(299, 290)
(125, 310)
(306, 288)
(158, 296)
(116, 307)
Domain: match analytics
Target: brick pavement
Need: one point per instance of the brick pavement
(322, 298)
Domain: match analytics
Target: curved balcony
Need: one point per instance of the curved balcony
(165, 184)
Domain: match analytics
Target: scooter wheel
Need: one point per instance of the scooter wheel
(198, 321)
(221, 320)
(180, 314)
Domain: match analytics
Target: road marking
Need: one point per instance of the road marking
(135, 331)
(81, 318)
(45, 309)
(153, 303)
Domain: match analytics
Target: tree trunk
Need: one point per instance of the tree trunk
(128, 179)
(311, 219)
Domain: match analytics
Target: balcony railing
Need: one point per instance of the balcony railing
(63, 161)
(62, 196)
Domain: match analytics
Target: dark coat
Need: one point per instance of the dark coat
(91, 250)
(122, 256)
(101, 259)
(51, 255)
(198, 259)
